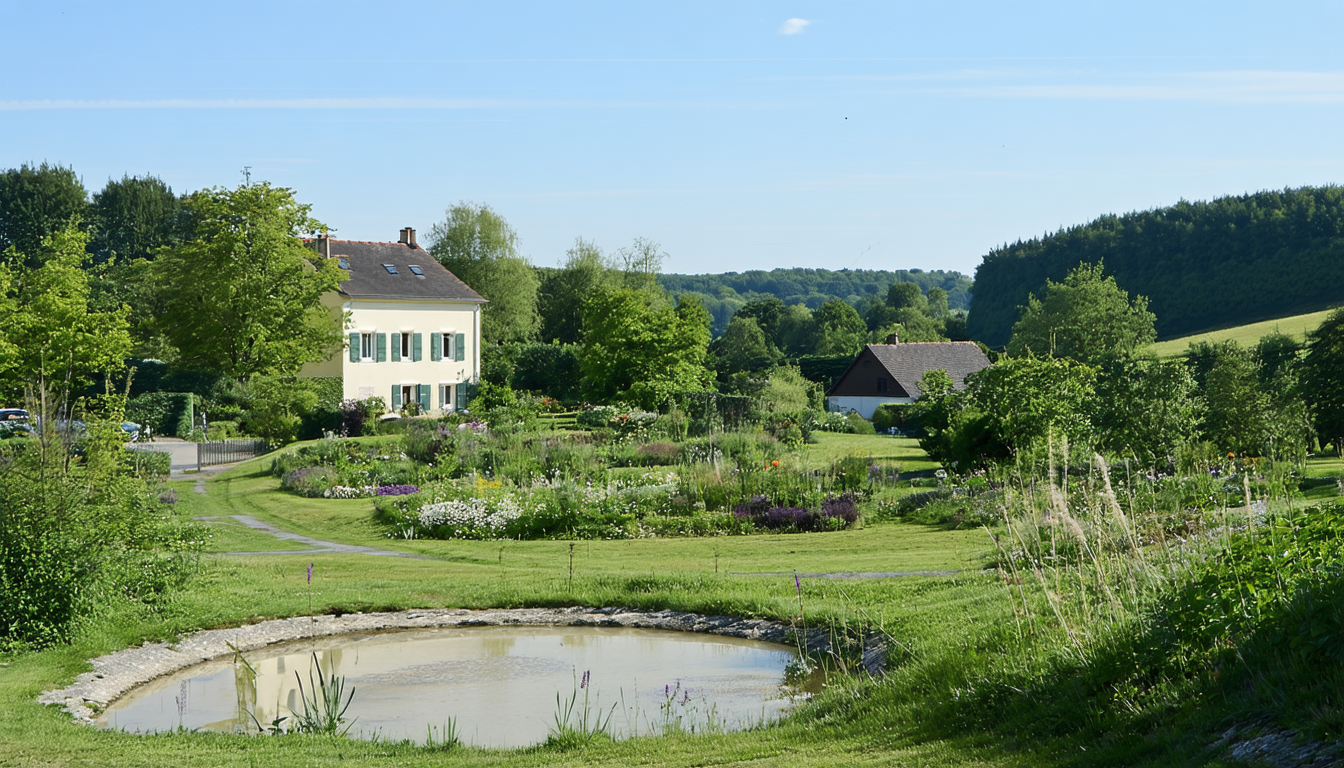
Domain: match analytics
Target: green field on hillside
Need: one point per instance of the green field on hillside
(1247, 335)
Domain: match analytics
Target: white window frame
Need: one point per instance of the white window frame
(368, 342)
(449, 339)
(406, 346)
(446, 395)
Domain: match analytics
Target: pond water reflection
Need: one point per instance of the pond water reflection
(499, 684)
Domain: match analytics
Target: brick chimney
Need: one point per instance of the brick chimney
(891, 339)
(324, 245)
(408, 237)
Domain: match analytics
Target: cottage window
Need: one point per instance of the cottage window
(881, 385)
(448, 351)
(366, 347)
(391, 270)
(405, 346)
(417, 271)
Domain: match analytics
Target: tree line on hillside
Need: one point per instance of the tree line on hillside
(1201, 265)
(724, 294)
(1076, 373)
(219, 286)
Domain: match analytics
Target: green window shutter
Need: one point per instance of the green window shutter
(460, 347)
(417, 354)
(396, 347)
(354, 347)
(441, 389)
(396, 397)
(382, 347)
(460, 397)
(435, 348)
(423, 393)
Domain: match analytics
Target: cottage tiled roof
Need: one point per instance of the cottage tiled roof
(369, 278)
(907, 362)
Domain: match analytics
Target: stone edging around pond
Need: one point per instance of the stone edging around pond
(117, 673)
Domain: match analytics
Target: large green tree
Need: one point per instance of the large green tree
(743, 347)
(133, 218)
(36, 201)
(1087, 318)
(244, 295)
(1147, 408)
(52, 335)
(562, 291)
(636, 344)
(478, 245)
(1323, 378)
(1033, 399)
(840, 330)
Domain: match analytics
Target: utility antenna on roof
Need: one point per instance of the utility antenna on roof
(247, 175)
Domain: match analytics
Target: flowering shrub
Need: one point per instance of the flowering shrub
(836, 512)
(471, 518)
(346, 492)
(396, 490)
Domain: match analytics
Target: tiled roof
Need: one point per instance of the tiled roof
(907, 362)
(370, 279)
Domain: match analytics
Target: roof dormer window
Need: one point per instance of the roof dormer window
(391, 270)
(418, 272)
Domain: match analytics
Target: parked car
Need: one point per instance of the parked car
(14, 421)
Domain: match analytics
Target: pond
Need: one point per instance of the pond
(498, 685)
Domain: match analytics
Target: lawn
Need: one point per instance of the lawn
(1248, 335)
(933, 623)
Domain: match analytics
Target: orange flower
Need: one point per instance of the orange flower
(1231, 455)
(775, 463)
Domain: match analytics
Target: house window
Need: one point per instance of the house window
(446, 398)
(881, 385)
(449, 353)
(405, 346)
(408, 396)
(366, 346)
(391, 270)
(418, 272)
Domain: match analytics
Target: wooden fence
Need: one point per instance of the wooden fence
(228, 451)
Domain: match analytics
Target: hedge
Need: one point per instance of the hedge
(167, 413)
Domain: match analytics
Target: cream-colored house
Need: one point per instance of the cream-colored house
(412, 328)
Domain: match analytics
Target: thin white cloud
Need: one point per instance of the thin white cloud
(793, 26)
(1235, 87)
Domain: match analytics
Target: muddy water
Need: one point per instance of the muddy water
(499, 684)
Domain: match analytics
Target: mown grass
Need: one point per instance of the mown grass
(973, 680)
(1247, 335)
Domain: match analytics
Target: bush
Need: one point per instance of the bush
(150, 465)
(309, 481)
(836, 513)
(170, 414)
(900, 416)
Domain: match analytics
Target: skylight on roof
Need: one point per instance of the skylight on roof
(418, 271)
(343, 262)
(391, 270)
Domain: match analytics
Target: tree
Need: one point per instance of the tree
(903, 295)
(1238, 416)
(480, 247)
(1031, 399)
(1086, 318)
(743, 347)
(133, 218)
(1323, 377)
(1147, 408)
(797, 331)
(51, 333)
(938, 306)
(640, 263)
(767, 313)
(35, 203)
(840, 330)
(637, 339)
(562, 292)
(244, 296)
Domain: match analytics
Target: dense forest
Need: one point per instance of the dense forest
(1202, 265)
(724, 294)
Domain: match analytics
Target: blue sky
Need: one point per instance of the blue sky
(739, 135)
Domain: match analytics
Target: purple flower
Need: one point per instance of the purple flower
(584, 684)
(797, 583)
(310, 573)
(397, 490)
